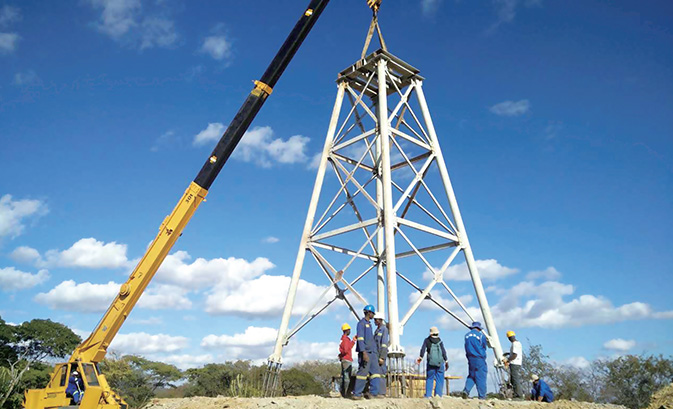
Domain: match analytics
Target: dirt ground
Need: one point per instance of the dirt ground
(314, 402)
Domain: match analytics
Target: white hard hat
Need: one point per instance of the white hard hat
(75, 373)
(379, 316)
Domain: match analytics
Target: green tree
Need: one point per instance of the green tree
(23, 348)
(239, 378)
(321, 371)
(295, 382)
(137, 379)
(631, 380)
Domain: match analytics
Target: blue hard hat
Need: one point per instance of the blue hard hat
(477, 325)
(370, 308)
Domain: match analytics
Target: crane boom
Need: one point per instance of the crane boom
(92, 350)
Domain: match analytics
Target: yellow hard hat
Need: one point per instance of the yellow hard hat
(345, 327)
(510, 334)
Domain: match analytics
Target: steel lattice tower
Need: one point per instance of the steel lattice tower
(380, 210)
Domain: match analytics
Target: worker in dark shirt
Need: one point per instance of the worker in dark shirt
(75, 389)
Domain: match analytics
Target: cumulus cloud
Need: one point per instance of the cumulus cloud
(14, 214)
(161, 297)
(256, 343)
(143, 343)
(511, 108)
(578, 362)
(270, 240)
(201, 273)
(12, 279)
(269, 293)
(124, 21)
(619, 344)
(25, 254)
(544, 305)
(84, 297)
(258, 145)
(216, 46)
(549, 273)
(488, 269)
(89, 253)
(213, 132)
(8, 42)
(186, 361)
(117, 16)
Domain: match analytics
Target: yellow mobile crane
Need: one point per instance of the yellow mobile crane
(91, 351)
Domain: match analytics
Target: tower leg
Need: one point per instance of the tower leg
(390, 218)
(462, 234)
(292, 292)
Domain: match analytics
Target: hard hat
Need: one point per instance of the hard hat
(434, 331)
(510, 334)
(476, 324)
(345, 327)
(370, 308)
(534, 378)
(379, 316)
(75, 373)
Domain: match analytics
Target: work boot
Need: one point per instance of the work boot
(464, 395)
(355, 397)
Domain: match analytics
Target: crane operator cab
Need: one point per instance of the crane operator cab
(75, 384)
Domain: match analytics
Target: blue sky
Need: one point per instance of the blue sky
(556, 120)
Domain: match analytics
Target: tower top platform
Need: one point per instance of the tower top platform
(359, 74)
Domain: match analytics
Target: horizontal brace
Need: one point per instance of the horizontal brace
(427, 229)
(354, 140)
(344, 229)
(343, 250)
(352, 162)
(425, 250)
(412, 160)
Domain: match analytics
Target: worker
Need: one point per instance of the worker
(541, 391)
(346, 358)
(436, 364)
(475, 350)
(381, 338)
(514, 360)
(75, 389)
(368, 364)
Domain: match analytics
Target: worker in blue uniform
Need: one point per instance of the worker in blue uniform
(381, 338)
(75, 389)
(475, 350)
(368, 363)
(541, 391)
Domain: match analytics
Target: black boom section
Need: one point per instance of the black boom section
(253, 103)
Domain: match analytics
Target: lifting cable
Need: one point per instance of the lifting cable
(374, 25)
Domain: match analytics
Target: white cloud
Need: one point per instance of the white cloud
(578, 362)
(84, 297)
(619, 344)
(12, 279)
(117, 16)
(8, 42)
(9, 14)
(511, 108)
(213, 132)
(146, 321)
(258, 145)
(89, 253)
(256, 343)
(186, 361)
(217, 47)
(227, 273)
(14, 214)
(270, 240)
(488, 269)
(124, 21)
(157, 32)
(26, 78)
(269, 293)
(161, 297)
(507, 9)
(429, 7)
(314, 163)
(143, 343)
(25, 254)
(549, 273)
(166, 139)
(543, 305)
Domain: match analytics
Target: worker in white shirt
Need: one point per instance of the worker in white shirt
(514, 361)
